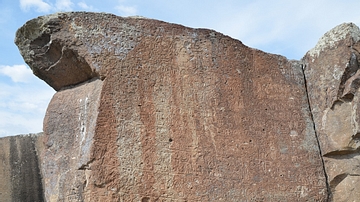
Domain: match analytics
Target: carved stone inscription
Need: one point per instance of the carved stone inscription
(172, 114)
(201, 117)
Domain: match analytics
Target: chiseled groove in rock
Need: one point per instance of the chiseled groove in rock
(316, 135)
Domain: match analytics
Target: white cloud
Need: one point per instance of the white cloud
(23, 106)
(25, 98)
(84, 6)
(126, 10)
(17, 73)
(64, 5)
(15, 124)
(39, 5)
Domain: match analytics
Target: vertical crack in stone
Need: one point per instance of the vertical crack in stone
(88, 45)
(316, 135)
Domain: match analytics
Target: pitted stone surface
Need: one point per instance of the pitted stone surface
(152, 111)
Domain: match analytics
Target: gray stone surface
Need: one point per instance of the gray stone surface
(333, 75)
(20, 178)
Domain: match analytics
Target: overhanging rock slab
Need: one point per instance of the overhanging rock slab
(147, 110)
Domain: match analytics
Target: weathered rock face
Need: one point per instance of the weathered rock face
(152, 111)
(149, 111)
(70, 125)
(332, 74)
(19, 168)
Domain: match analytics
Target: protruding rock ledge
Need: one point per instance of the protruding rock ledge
(66, 49)
(191, 114)
(47, 47)
(180, 114)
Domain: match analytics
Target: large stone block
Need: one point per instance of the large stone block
(152, 111)
(332, 75)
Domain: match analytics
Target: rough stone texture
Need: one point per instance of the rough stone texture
(152, 111)
(69, 127)
(19, 168)
(332, 75)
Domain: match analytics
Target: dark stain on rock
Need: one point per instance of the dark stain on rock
(25, 173)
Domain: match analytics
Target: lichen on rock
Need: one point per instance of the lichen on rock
(332, 75)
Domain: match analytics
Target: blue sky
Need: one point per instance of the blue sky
(289, 28)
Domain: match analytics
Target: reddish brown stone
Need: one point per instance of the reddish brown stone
(152, 111)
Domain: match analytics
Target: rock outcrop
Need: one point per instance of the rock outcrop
(333, 81)
(19, 168)
(151, 111)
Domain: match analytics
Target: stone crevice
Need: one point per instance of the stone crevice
(343, 154)
(350, 80)
(87, 165)
(316, 135)
(337, 180)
